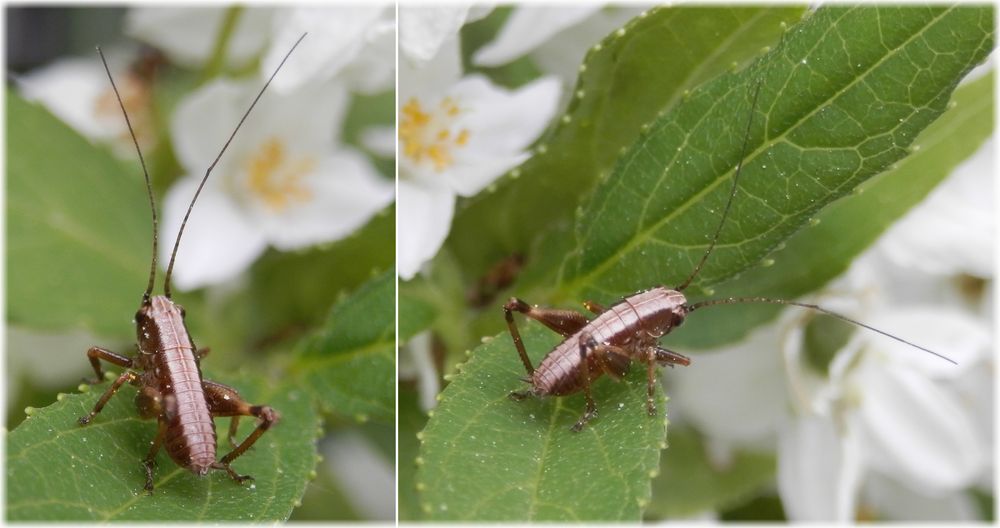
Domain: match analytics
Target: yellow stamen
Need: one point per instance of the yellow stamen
(430, 135)
(277, 180)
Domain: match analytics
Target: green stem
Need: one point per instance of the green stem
(217, 60)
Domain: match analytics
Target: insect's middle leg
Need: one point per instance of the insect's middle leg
(587, 347)
(225, 401)
(149, 463)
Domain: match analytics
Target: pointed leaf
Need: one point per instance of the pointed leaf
(78, 228)
(843, 230)
(349, 365)
(60, 471)
(485, 457)
(626, 79)
(840, 100)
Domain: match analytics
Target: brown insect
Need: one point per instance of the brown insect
(628, 331)
(167, 369)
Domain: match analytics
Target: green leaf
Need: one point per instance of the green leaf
(412, 419)
(78, 228)
(817, 254)
(60, 471)
(840, 100)
(485, 457)
(626, 79)
(690, 483)
(349, 365)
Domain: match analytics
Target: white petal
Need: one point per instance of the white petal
(346, 192)
(501, 124)
(952, 231)
(364, 474)
(754, 401)
(526, 28)
(953, 333)
(818, 471)
(423, 221)
(918, 432)
(188, 34)
(203, 121)
(562, 54)
(335, 38)
(218, 242)
(894, 501)
(305, 119)
(423, 30)
(374, 70)
(431, 79)
(70, 88)
(381, 140)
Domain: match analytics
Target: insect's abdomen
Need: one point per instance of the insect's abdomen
(642, 317)
(190, 437)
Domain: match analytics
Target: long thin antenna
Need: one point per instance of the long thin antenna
(738, 300)
(177, 242)
(732, 193)
(145, 173)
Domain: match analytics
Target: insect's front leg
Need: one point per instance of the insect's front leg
(225, 401)
(127, 377)
(654, 355)
(670, 358)
(95, 354)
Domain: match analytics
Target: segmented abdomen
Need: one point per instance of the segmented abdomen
(190, 437)
(641, 317)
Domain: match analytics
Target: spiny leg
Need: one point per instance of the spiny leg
(662, 356)
(587, 345)
(650, 380)
(226, 393)
(225, 401)
(517, 304)
(149, 463)
(95, 354)
(670, 358)
(614, 361)
(127, 377)
(563, 322)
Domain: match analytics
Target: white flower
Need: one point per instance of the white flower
(283, 182)
(188, 34)
(455, 137)
(423, 31)
(556, 37)
(889, 426)
(78, 92)
(354, 43)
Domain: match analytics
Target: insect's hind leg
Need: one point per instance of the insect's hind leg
(563, 322)
(225, 401)
(127, 377)
(95, 354)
